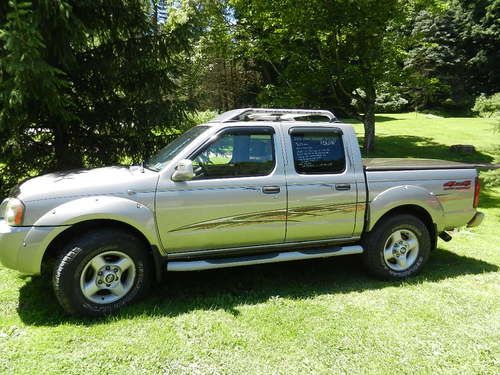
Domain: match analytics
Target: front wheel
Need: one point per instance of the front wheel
(397, 248)
(100, 272)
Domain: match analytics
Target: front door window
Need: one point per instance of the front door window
(236, 153)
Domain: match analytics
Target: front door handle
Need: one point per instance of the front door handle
(271, 189)
(342, 187)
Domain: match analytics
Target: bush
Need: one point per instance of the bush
(487, 106)
(390, 103)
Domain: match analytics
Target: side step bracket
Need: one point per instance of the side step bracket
(206, 264)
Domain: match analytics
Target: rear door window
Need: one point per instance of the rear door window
(318, 151)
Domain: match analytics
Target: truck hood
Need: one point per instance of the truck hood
(108, 180)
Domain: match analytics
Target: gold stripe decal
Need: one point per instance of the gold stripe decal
(274, 216)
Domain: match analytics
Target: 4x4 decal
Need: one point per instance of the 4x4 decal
(457, 185)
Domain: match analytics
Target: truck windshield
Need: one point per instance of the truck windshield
(167, 153)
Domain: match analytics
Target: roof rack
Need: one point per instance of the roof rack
(271, 114)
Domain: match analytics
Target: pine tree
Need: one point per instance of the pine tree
(85, 83)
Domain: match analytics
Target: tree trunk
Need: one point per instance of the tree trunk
(369, 122)
(65, 158)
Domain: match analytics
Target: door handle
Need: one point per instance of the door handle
(271, 189)
(342, 187)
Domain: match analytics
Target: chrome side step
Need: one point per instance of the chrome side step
(207, 264)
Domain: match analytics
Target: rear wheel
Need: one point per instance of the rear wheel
(397, 248)
(101, 271)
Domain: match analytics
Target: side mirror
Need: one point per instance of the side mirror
(183, 171)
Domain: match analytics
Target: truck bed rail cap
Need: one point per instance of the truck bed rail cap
(401, 164)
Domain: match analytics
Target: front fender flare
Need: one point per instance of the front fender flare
(402, 196)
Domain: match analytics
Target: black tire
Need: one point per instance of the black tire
(80, 251)
(375, 241)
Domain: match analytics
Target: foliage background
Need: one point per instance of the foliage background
(94, 82)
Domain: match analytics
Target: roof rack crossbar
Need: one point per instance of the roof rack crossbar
(245, 114)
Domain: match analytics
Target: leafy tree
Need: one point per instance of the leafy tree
(324, 54)
(84, 83)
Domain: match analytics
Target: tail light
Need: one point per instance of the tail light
(477, 190)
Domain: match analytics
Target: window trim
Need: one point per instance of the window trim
(215, 137)
(317, 129)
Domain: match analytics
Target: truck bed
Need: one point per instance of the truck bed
(404, 164)
(446, 187)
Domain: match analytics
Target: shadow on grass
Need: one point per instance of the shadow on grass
(411, 146)
(489, 199)
(378, 118)
(385, 118)
(227, 289)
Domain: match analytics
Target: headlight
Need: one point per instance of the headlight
(3, 206)
(13, 211)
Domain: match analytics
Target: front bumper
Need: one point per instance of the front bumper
(476, 220)
(22, 248)
(11, 240)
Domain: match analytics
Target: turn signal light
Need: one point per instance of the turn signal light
(14, 212)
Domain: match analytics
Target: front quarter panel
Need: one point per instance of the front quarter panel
(29, 251)
(119, 209)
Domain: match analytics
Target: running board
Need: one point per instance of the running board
(207, 264)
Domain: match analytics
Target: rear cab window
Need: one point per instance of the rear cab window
(318, 150)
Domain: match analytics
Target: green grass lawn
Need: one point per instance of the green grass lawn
(423, 135)
(302, 317)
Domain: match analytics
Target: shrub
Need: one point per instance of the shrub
(390, 103)
(487, 106)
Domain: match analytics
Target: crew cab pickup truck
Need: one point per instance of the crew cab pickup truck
(251, 186)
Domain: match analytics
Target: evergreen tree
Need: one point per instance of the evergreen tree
(84, 83)
(455, 53)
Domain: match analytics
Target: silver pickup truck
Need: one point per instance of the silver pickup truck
(251, 186)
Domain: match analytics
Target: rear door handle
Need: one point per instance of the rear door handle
(271, 189)
(342, 187)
